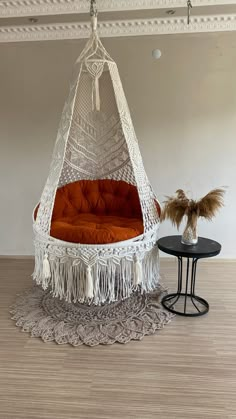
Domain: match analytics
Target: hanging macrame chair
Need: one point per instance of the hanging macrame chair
(97, 220)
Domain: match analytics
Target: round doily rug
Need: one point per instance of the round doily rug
(39, 313)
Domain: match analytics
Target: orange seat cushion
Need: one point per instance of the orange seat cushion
(96, 212)
(96, 229)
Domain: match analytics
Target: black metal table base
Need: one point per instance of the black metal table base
(171, 299)
(198, 304)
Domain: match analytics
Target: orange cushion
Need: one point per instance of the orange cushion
(96, 229)
(97, 212)
(100, 197)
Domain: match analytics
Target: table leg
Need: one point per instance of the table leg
(186, 288)
(170, 300)
(180, 281)
(193, 282)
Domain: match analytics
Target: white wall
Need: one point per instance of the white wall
(183, 108)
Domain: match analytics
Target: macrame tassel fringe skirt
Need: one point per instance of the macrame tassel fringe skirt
(96, 276)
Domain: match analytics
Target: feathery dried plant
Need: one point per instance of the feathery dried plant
(178, 206)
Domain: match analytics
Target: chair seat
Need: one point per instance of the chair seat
(96, 229)
(97, 212)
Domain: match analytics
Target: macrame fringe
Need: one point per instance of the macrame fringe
(46, 267)
(138, 272)
(73, 281)
(89, 283)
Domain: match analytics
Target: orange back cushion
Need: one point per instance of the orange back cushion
(99, 197)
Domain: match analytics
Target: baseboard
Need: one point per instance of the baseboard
(203, 260)
(172, 259)
(27, 257)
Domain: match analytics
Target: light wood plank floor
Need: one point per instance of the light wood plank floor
(186, 371)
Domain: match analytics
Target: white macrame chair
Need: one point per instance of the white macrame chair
(96, 140)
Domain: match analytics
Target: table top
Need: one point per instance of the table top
(205, 248)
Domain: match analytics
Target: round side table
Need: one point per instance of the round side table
(192, 304)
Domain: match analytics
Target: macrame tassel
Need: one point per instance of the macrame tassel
(96, 95)
(138, 272)
(89, 283)
(46, 267)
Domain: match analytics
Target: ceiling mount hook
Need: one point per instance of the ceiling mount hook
(189, 6)
(93, 8)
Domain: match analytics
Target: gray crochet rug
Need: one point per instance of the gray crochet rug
(38, 313)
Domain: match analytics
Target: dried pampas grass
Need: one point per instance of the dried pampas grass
(176, 207)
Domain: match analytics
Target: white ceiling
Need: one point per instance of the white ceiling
(69, 19)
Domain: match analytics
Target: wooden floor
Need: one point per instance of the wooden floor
(186, 371)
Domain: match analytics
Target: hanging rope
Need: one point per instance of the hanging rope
(95, 87)
(93, 14)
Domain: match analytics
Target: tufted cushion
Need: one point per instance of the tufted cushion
(95, 229)
(98, 197)
(96, 212)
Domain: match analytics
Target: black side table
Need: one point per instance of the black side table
(203, 249)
